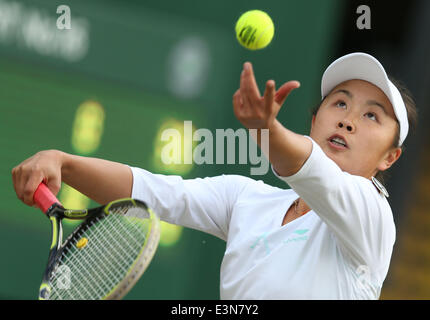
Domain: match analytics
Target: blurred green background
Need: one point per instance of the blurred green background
(107, 87)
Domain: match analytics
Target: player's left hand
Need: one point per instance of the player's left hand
(253, 110)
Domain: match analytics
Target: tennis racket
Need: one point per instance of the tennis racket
(104, 256)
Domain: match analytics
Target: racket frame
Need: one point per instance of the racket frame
(56, 213)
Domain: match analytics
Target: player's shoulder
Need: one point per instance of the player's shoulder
(376, 197)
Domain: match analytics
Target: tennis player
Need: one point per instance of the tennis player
(330, 236)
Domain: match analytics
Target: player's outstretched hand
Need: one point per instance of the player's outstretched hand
(253, 110)
(43, 166)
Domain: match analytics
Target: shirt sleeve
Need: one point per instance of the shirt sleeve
(356, 213)
(203, 204)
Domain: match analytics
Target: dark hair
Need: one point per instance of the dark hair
(412, 113)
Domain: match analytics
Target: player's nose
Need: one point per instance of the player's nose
(347, 124)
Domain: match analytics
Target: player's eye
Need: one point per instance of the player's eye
(371, 116)
(341, 104)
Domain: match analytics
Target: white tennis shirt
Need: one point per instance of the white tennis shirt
(341, 249)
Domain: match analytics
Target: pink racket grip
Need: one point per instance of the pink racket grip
(44, 198)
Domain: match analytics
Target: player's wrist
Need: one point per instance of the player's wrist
(65, 161)
(275, 128)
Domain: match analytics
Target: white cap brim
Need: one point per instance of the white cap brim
(363, 66)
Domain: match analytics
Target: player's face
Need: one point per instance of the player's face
(356, 126)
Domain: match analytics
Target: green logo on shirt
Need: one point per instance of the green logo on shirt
(300, 232)
(263, 239)
(297, 239)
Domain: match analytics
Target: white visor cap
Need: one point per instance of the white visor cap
(363, 66)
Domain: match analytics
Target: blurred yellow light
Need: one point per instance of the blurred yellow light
(88, 127)
(170, 234)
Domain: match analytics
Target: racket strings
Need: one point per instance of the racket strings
(80, 271)
(114, 244)
(115, 248)
(94, 260)
(101, 276)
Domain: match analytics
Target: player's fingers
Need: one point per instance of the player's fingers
(31, 184)
(16, 173)
(240, 111)
(250, 84)
(246, 101)
(54, 184)
(237, 98)
(269, 95)
(236, 105)
(283, 92)
(20, 179)
(237, 102)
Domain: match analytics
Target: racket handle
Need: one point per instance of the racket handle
(44, 198)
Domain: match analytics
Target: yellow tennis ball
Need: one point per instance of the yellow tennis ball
(255, 29)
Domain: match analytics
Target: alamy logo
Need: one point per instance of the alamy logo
(179, 149)
(64, 21)
(364, 20)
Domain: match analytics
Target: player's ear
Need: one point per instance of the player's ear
(390, 158)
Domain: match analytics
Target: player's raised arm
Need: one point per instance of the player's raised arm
(100, 180)
(288, 151)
